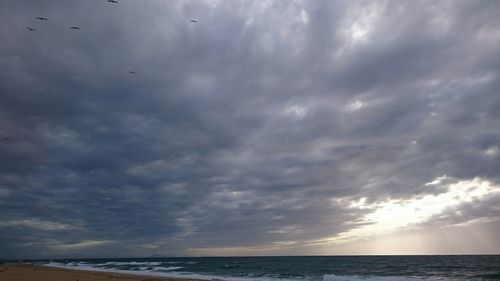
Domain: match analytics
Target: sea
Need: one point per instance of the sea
(301, 268)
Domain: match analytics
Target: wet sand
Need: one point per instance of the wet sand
(26, 272)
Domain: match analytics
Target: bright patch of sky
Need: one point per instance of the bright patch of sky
(296, 111)
(361, 24)
(396, 214)
(355, 105)
(492, 151)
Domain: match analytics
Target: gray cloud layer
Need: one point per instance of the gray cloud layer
(239, 130)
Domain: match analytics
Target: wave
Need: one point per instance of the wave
(169, 268)
(172, 271)
(111, 263)
(144, 273)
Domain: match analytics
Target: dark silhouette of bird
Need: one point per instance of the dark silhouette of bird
(74, 27)
(30, 28)
(113, 1)
(42, 18)
(195, 21)
(131, 72)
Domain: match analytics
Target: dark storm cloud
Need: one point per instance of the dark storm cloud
(254, 126)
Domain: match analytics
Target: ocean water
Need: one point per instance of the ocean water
(309, 268)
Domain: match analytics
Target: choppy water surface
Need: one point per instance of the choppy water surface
(314, 268)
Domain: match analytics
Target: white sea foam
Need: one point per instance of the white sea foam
(118, 263)
(169, 268)
(161, 273)
(144, 273)
(170, 272)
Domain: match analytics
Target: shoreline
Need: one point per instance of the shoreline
(29, 272)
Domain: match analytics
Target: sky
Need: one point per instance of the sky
(262, 128)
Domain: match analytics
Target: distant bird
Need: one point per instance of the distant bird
(195, 21)
(74, 27)
(131, 72)
(30, 28)
(113, 1)
(42, 18)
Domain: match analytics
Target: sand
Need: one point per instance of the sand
(26, 272)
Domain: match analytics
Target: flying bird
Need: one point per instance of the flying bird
(42, 18)
(30, 28)
(131, 72)
(113, 1)
(195, 21)
(74, 27)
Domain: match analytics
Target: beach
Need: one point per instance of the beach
(28, 272)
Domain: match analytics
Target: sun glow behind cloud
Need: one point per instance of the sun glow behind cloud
(397, 214)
